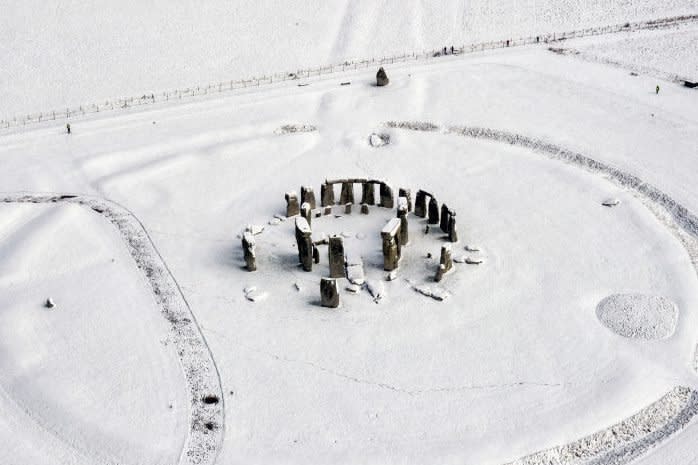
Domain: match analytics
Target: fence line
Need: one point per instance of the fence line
(426, 55)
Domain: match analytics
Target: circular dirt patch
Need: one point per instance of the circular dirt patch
(638, 316)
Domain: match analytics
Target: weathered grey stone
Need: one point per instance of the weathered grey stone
(306, 212)
(308, 195)
(329, 295)
(305, 243)
(364, 209)
(336, 257)
(390, 236)
(248, 247)
(326, 194)
(368, 193)
(433, 211)
(402, 214)
(382, 78)
(327, 211)
(292, 206)
(347, 209)
(445, 264)
(347, 194)
(316, 254)
(420, 204)
(387, 199)
(406, 193)
(452, 229)
(443, 223)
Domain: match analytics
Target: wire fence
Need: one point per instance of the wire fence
(299, 75)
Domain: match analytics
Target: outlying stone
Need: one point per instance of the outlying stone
(382, 78)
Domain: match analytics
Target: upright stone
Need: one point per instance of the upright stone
(433, 211)
(316, 254)
(368, 194)
(382, 78)
(306, 212)
(364, 209)
(390, 236)
(443, 224)
(248, 247)
(329, 295)
(402, 214)
(452, 229)
(308, 195)
(305, 243)
(347, 209)
(406, 193)
(336, 257)
(327, 194)
(347, 194)
(386, 194)
(420, 204)
(292, 207)
(445, 264)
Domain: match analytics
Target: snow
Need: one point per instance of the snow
(71, 53)
(638, 316)
(524, 144)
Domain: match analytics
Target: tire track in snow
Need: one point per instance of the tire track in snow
(207, 421)
(633, 436)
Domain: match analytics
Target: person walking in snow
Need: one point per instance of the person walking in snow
(67, 128)
(657, 90)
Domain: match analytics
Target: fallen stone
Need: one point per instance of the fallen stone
(610, 202)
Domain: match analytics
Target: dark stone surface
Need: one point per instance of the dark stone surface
(433, 211)
(329, 295)
(336, 257)
(292, 206)
(382, 78)
(420, 204)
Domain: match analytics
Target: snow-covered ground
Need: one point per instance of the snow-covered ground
(63, 54)
(515, 361)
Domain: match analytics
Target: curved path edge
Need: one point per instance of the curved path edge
(207, 421)
(655, 423)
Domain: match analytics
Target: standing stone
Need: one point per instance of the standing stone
(292, 207)
(443, 224)
(336, 257)
(327, 211)
(433, 211)
(305, 243)
(306, 212)
(347, 209)
(420, 204)
(364, 209)
(406, 193)
(316, 254)
(326, 194)
(308, 195)
(248, 247)
(402, 214)
(452, 229)
(382, 78)
(390, 236)
(329, 295)
(445, 264)
(347, 194)
(368, 194)
(386, 194)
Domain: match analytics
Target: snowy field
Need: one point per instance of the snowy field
(560, 347)
(63, 54)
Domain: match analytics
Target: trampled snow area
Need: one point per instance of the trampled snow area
(514, 364)
(64, 54)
